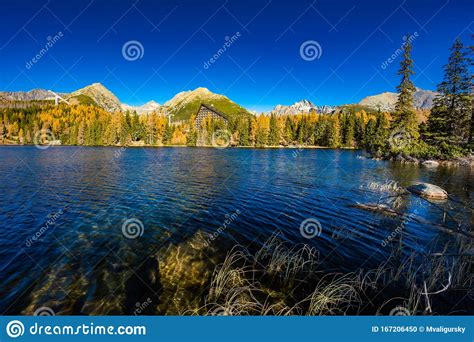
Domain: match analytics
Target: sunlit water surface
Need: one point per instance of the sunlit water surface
(81, 261)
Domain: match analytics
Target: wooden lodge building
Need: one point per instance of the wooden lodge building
(206, 111)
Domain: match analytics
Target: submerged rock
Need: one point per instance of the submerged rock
(377, 208)
(430, 163)
(185, 272)
(429, 191)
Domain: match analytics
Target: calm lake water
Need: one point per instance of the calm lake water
(77, 199)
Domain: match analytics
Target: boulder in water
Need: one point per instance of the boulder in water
(430, 163)
(429, 191)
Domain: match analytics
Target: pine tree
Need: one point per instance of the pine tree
(450, 118)
(348, 129)
(334, 132)
(381, 132)
(135, 128)
(359, 131)
(274, 134)
(370, 135)
(288, 133)
(404, 116)
(470, 140)
(243, 129)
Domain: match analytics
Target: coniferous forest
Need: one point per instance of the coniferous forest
(444, 132)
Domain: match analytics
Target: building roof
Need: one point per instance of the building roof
(212, 109)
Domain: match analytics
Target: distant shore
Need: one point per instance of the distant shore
(204, 146)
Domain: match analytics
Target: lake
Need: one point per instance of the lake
(81, 226)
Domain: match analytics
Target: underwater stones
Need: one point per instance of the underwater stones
(185, 272)
(429, 191)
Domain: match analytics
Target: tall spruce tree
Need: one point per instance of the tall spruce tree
(470, 140)
(274, 134)
(404, 116)
(450, 118)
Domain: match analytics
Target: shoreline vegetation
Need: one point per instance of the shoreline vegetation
(406, 134)
(282, 279)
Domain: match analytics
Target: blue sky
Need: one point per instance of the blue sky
(261, 68)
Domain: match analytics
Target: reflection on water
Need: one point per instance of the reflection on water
(79, 261)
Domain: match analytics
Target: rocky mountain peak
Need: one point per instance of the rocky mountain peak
(301, 107)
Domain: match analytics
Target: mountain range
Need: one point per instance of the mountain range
(182, 106)
(422, 99)
(185, 104)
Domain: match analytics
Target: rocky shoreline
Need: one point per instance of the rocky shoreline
(431, 163)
